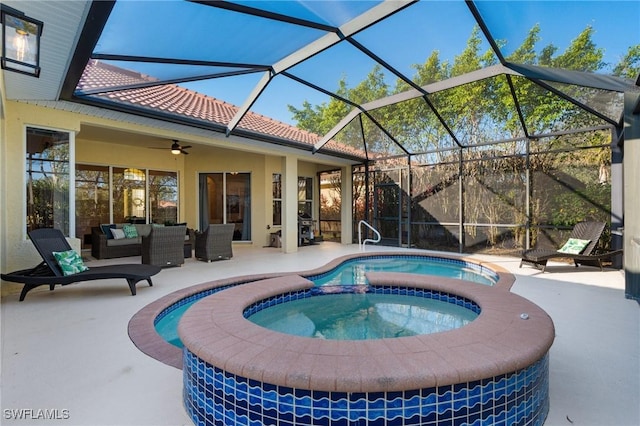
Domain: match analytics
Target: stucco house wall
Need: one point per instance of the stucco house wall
(210, 154)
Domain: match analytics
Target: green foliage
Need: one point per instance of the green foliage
(629, 65)
(526, 53)
(308, 117)
(322, 118)
(50, 207)
(480, 112)
(472, 110)
(582, 54)
(576, 206)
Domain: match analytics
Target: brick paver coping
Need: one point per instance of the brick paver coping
(145, 337)
(499, 341)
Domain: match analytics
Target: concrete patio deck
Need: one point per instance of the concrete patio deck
(68, 352)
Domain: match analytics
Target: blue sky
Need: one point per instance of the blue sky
(616, 23)
(403, 40)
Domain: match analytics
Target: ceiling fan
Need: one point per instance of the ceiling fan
(176, 148)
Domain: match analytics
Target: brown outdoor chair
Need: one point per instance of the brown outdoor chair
(214, 243)
(164, 246)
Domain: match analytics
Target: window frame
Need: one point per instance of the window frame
(276, 187)
(147, 172)
(308, 191)
(71, 205)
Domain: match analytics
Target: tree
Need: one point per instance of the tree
(582, 54)
(322, 118)
(478, 113)
(629, 65)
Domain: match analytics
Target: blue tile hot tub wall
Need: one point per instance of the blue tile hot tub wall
(214, 397)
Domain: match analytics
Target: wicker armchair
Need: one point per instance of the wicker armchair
(214, 243)
(164, 246)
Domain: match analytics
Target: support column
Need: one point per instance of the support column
(632, 196)
(289, 204)
(617, 195)
(461, 204)
(346, 203)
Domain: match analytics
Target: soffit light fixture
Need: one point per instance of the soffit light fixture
(20, 42)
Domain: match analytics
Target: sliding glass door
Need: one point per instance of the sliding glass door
(226, 198)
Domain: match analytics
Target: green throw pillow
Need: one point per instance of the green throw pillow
(130, 231)
(70, 262)
(574, 246)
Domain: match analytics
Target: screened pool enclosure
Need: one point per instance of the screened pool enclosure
(471, 125)
(499, 198)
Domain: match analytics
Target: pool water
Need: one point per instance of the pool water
(351, 272)
(167, 326)
(362, 316)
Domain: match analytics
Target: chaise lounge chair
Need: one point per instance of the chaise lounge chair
(584, 238)
(48, 272)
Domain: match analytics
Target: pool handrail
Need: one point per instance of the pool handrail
(375, 231)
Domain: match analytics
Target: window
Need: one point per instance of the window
(226, 198)
(330, 205)
(92, 199)
(305, 196)
(48, 180)
(129, 195)
(277, 199)
(129, 201)
(163, 196)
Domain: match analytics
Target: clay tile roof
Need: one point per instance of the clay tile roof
(173, 99)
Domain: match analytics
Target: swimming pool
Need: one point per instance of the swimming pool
(354, 271)
(350, 272)
(492, 371)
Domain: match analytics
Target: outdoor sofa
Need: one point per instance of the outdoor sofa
(105, 246)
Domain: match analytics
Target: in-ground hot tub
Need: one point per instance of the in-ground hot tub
(362, 313)
(492, 371)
